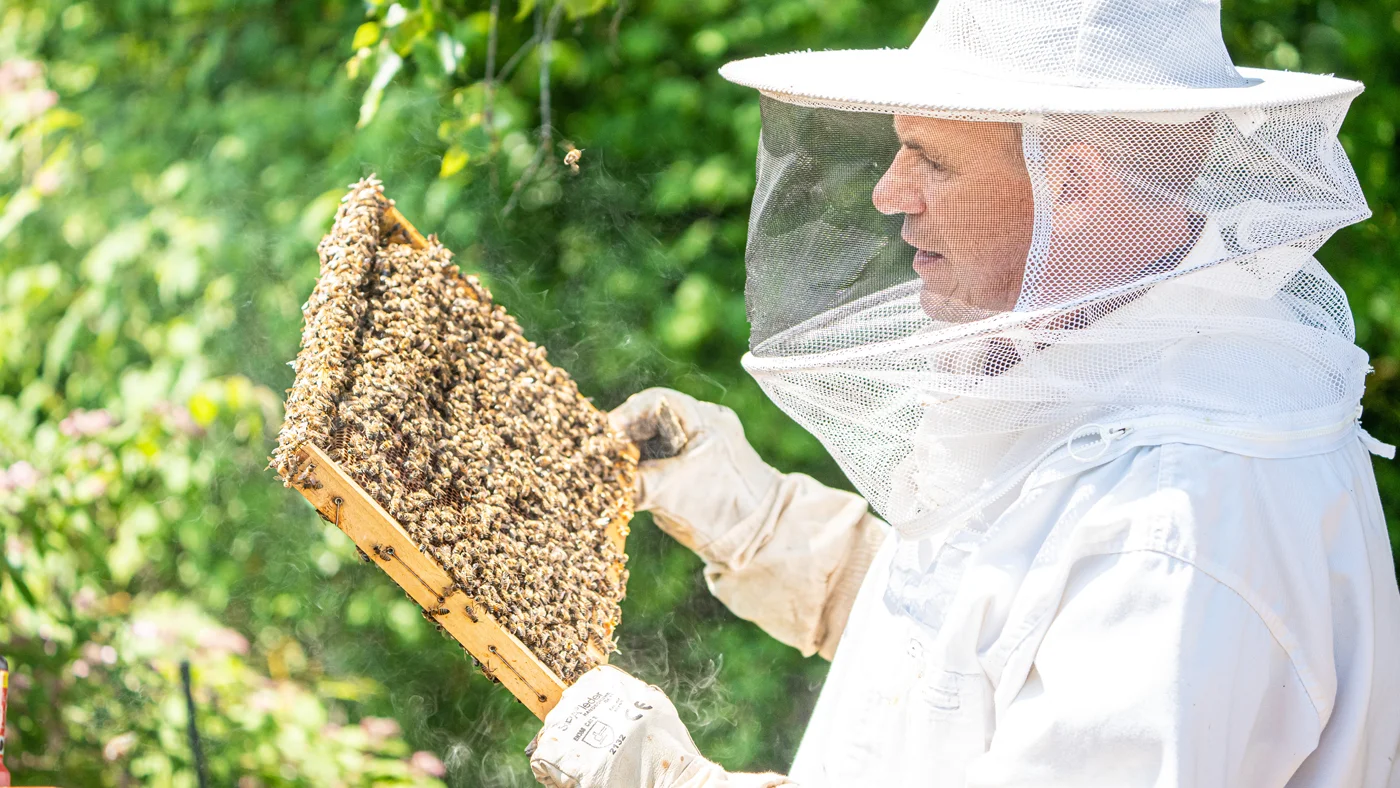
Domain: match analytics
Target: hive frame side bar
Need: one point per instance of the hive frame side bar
(340, 500)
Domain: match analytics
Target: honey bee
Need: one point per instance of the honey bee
(571, 158)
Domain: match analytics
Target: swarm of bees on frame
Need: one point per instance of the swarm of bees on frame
(428, 395)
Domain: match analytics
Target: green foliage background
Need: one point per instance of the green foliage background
(158, 218)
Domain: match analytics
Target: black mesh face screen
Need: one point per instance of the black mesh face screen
(816, 240)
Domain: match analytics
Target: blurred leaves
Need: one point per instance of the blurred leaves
(165, 174)
(127, 430)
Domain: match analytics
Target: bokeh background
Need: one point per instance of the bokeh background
(166, 169)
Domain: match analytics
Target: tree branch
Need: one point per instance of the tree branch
(546, 60)
(544, 32)
(615, 29)
(516, 58)
(488, 102)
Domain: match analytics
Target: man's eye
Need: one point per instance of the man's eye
(931, 161)
(928, 160)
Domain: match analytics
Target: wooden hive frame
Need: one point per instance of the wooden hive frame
(342, 501)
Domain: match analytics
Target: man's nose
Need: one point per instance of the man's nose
(897, 191)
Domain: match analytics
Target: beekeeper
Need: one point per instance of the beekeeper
(1043, 285)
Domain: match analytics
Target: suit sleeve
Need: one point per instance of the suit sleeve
(1152, 673)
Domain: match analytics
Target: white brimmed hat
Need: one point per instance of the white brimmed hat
(1042, 56)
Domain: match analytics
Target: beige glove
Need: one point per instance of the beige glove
(733, 480)
(612, 731)
(781, 550)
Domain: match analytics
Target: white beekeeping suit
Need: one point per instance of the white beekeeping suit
(1043, 285)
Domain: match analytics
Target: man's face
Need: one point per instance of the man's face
(968, 210)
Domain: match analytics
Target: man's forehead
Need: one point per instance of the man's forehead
(923, 133)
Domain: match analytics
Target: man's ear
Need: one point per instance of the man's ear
(1080, 187)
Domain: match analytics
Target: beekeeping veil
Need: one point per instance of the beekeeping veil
(1043, 220)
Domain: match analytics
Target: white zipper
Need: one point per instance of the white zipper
(1109, 434)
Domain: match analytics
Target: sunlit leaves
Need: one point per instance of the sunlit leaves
(460, 43)
(450, 51)
(453, 161)
(366, 35)
(406, 30)
(581, 8)
(710, 43)
(389, 64)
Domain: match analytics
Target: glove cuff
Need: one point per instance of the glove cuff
(706, 774)
(738, 515)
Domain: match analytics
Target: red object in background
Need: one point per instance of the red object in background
(4, 701)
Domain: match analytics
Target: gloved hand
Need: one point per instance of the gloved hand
(715, 482)
(781, 550)
(612, 731)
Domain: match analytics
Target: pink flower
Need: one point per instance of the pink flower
(20, 476)
(81, 669)
(180, 418)
(81, 423)
(265, 700)
(47, 181)
(94, 653)
(222, 639)
(92, 488)
(146, 629)
(24, 69)
(85, 600)
(14, 73)
(428, 763)
(118, 746)
(41, 100)
(379, 728)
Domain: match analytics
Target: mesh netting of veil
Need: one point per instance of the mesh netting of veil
(942, 299)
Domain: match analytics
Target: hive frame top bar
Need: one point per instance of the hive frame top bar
(342, 501)
(397, 221)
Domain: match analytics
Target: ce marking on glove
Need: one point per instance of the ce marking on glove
(600, 734)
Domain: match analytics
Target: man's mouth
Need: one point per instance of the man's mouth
(925, 263)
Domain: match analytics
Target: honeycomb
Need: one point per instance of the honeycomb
(427, 394)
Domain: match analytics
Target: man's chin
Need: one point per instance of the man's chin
(945, 308)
